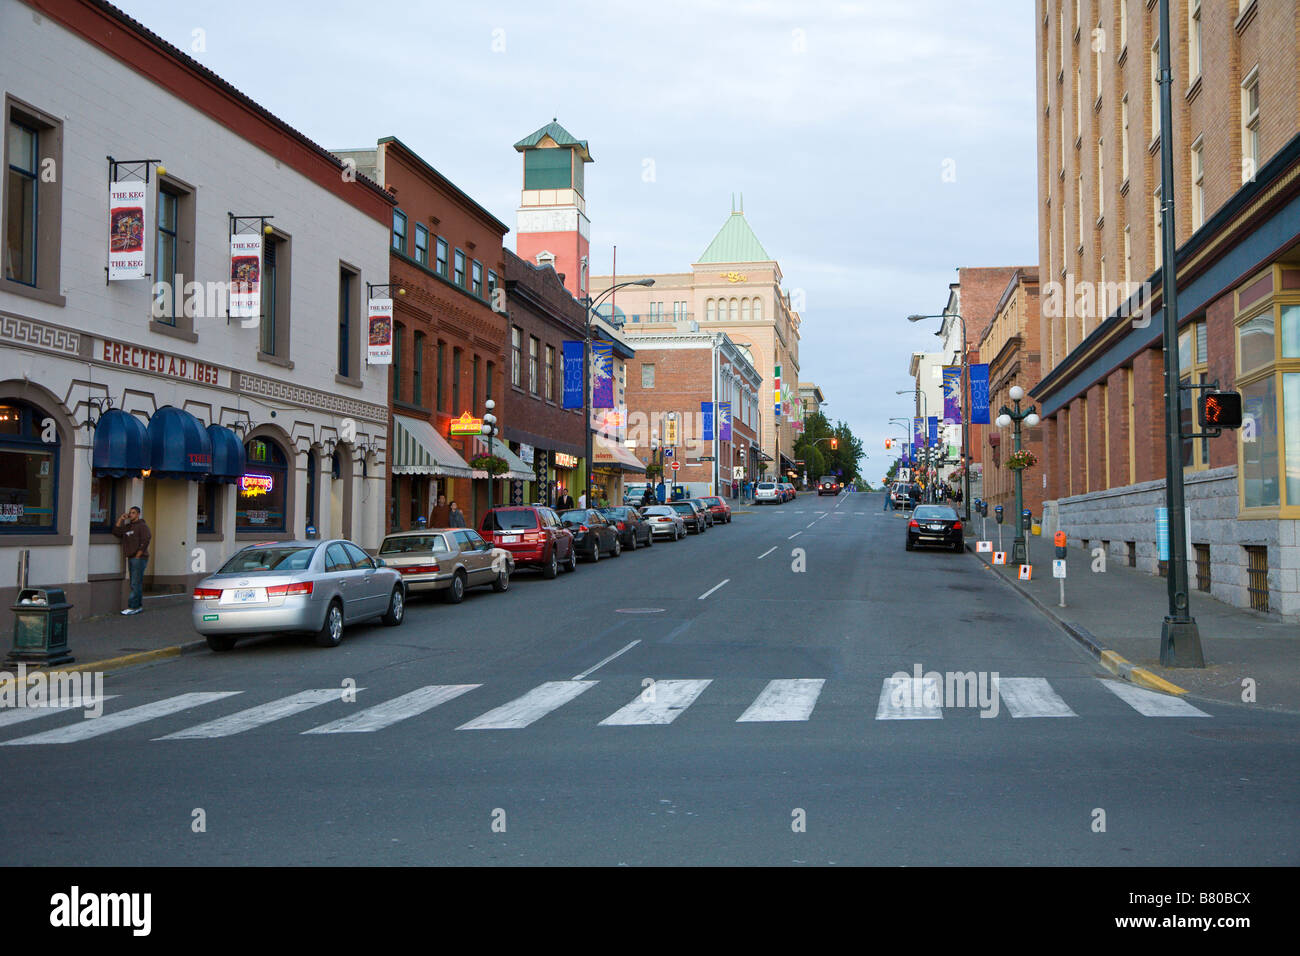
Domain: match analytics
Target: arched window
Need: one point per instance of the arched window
(744, 310)
(29, 470)
(735, 310)
(709, 311)
(263, 489)
(758, 310)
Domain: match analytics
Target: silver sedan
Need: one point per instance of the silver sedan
(314, 586)
(664, 521)
(447, 560)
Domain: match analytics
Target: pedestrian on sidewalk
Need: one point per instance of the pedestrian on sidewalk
(135, 536)
(885, 507)
(456, 517)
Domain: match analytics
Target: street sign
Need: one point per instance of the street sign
(675, 465)
(706, 458)
(999, 557)
(983, 547)
(737, 472)
(670, 452)
(1058, 568)
(1026, 572)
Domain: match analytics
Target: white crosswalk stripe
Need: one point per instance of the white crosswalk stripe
(125, 718)
(784, 700)
(391, 711)
(1149, 703)
(534, 705)
(246, 720)
(910, 698)
(1032, 697)
(18, 715)
(668, 698)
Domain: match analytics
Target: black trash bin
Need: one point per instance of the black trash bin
(40, 627)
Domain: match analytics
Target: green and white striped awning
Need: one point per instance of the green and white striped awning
(419, 450)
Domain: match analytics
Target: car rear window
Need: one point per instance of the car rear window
(509, 520)
(683, 508)
(262, 558)
(766, 485)
(935, 511)
(408, 543)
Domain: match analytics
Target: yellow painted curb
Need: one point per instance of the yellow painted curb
(1113, 663)
(1140, 675)
(108, 664)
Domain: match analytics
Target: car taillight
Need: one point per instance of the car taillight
(419, 569)
(956, 526)
(282, 590)
(583, 527)
(620, 526)
(913, 524)
(532, 536)
(207, 594)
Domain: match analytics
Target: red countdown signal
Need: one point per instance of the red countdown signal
(1220, 410)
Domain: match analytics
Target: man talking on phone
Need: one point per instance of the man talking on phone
(134, 535)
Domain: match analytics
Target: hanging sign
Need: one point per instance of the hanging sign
(952, 395)
(724, 421)
(602, 375)
(572, 367)
(246, 275)
(706, 416)
(128, 219)
(379, 340)
(467, 424)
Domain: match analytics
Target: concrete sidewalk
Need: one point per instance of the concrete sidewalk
(1117, 615)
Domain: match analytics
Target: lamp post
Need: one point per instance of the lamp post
(589, 306)
(965, 404)
(489, 428)
(1006, 417)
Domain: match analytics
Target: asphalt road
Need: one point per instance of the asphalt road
(524, 728)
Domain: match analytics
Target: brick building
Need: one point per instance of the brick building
(1236, 156)
(449, 343)
(672, 373)
(543, 315)
(1010, 346)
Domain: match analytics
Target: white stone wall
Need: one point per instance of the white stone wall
(1119, 515)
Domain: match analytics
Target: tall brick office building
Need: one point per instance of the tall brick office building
(1236, 156)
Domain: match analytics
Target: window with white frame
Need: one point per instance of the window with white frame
(1123, 139)
(1157, 230)
(1250, 126)
(1154, 111)
(1193, 41)
(1198, 183)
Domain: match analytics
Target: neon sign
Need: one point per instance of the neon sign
(253, 485)
(465, 425)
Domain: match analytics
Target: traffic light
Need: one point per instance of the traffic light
(1219, 409)
(835, 442)
(889, 443)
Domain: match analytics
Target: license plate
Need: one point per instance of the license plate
(243, 596)
(936, 527)
(509, 538)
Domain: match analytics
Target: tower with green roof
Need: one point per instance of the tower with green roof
(551, 224)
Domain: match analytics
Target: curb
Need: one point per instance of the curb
(1119, 666)
(112, 663)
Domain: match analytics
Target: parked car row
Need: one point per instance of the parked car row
(321, 587)
(774, 493)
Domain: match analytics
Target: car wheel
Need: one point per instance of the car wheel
(455, 592)
(618, 546)
(551, 568)
(220, 642)
(909, 544)
(650, 539)
(595, 552)
(573, 561)
(958, 547)
(502, 583)
(632, 546)
(396, 608)
(331, 632)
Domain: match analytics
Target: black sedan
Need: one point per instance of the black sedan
(703, 506)
(593, 534)
(935, 524)
(692, 514)
(632, 529)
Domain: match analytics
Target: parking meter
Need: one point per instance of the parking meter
(1027, 519)
(1059, 541)
(997, 511)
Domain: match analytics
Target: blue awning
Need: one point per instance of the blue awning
(121, 445)
(179, 446)
(227, 454)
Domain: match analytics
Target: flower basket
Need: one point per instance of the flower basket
(493, 464)
(1020, 460)
(653, 471)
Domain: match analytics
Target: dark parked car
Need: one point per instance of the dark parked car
(935, 524)
(632, 528)
(704, 510)
(719, 508)
(534, 536)
(692, 514)
(593, 535)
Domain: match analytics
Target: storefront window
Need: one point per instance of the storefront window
(1291, 433)
(103, 504)
(207, 518)
(29, 471)
(1255, 341)
(1259, 477)
(263, 489)
(1291, 331)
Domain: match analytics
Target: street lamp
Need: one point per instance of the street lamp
(589, 306)
(1006, 417)
(965, 404)
(489, 428)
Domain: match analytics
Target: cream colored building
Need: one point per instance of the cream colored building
(734, 287)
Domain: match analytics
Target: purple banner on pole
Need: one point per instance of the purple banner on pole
(934, 431)
(952, 395)
(979, 394)
(572, 374)
(918, 432)
(706, 417)
(724, 421)
(602, 375)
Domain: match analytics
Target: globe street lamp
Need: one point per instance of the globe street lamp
(589, 306)
(489, 428)
(1006, 417)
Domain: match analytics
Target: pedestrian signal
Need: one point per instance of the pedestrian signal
(1220, 410)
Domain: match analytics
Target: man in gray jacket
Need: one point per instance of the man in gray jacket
(135, 536)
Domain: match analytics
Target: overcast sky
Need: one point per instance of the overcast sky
(836, 120)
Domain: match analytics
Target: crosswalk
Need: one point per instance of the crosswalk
(791, 700)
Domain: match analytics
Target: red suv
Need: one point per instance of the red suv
(719, 508)
(534, 535)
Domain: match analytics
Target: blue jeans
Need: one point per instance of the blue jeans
(135, 570)
(886, 507)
